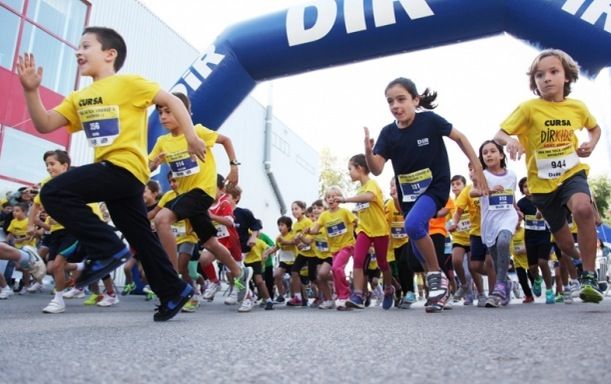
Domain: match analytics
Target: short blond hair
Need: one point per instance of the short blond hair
(571, 69)
(333, 190)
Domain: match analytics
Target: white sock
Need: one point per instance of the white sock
(80, 266)
(58, 297)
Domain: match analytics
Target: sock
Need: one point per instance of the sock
(80, 266)
(58, 297)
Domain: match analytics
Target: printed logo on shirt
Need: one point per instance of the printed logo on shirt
(90, 101)
(423, 142)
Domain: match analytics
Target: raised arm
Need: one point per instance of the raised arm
(374, 162)
(232, 177)
(514, 148)
(31, 78)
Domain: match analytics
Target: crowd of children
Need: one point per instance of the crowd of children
(330, 255)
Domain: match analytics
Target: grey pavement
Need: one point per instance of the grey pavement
(535, 343)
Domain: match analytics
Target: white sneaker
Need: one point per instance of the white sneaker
(35, 287)
(36, 264)
(108, 300)
(5, 292)
(212, 289)
(326, 304)
(73, 293)
(246, 305)
(232, 299)
(575, 288)
(55, 306)
(23, 291)
(340, 304)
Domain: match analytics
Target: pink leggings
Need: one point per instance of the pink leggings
(380, 245)
(340, 259)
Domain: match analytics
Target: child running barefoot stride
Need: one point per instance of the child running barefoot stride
(545, 129)
(414, 145)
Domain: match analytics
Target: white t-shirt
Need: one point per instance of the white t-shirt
(498, 210)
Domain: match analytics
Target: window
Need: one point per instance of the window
(16, 5)
(56, 57)
(65, 18)
(9, 28)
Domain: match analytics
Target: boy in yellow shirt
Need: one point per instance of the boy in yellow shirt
(113, 113)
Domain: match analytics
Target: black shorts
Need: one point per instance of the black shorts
(553, 205)
(301, 261)
(444, 259)
(373, 274)
(193, 205)
(328, 260)
(60, 243)
(536, 252)
(257, 268)
(285, 266)
(77, 255)
(478, 248)
(465, 247)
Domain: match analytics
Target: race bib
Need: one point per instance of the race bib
(361, 206)
(464, 224)
(397, 231)
(182, 164)
(447, 249)
(100, 123)
(415, 184)
(500, 201)
(304, 247)
(554, 162)
(322, 245)
(519, 247)
(179, 228)
(335, 230)
(532, 223)
(286, 256)
(221, 231)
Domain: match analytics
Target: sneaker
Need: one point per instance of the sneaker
(493, 301)
(567, 296)
(96, 269)
(528, 300)
(589, 288)
(35, 287)
(212, 289)
(74, 293)
(166, 310)
(326, 304)
(23, 291)
(438, 291)
(294, 302)
(468, 299)
(515, 287)
(449, 303)
(549, 297)
(405, 303)
(460, 293)
(92, 299)
(108, 300)
(191, 305)
(508, 286)
(128, 289)
(481, 300)
(246, 305)
(559, 298)
(232, 299)
(340, 305)
(242, 283)
(5, 292)
(269, 305)
(148, 293)
(575, 288)
(498, 296)
(389, 296)
(537, 286)
(354, 301)
(55, 306)
(279, 300)
(36, 265)
(410, 297)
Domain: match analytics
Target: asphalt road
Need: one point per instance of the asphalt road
(534, 343)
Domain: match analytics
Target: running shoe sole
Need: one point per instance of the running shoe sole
(96, 269)
(175, 305)
(590, 295)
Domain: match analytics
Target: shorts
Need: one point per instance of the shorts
(257, 268)
(193, 205)
(328, 260)
(444, 259)
(301, 261)
(373, 274)
(478, 248)
(537, 252)
(465, 247)
(60, 243)
(520, 261)
(553, 204)
(188, 248)
(285, 266)
(77, 255)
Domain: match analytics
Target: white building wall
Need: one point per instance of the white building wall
(158, 53)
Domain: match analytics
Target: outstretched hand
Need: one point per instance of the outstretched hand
(29, 76)
(368, 141)
(515, 149)
(198, 148)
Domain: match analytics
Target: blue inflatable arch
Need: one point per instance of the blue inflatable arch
(324, 33)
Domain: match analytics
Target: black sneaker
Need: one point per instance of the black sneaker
(269, 306)
(96, 269)
(165, 311)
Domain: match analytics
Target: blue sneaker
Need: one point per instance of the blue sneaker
(170, 308)
(389, 297)
(96, 269)
(355, 301)
(549, 297)
(410, 297)
(537, 286)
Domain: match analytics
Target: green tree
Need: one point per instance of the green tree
(601, 188)
(333, 171)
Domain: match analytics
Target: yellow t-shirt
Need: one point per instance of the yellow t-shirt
(54, 225)
(461, 235)
(182, 229)
(339, 225)
(320, 245)
(19, 230)
(256, 252)
(113, 113)
(191, 171)
(546, 130)
(395, 221)
(471, 205)
(372, 220)
(287, 253)
(298, 227)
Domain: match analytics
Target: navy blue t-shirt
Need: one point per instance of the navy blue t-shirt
(419, 147)
(245, 221)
